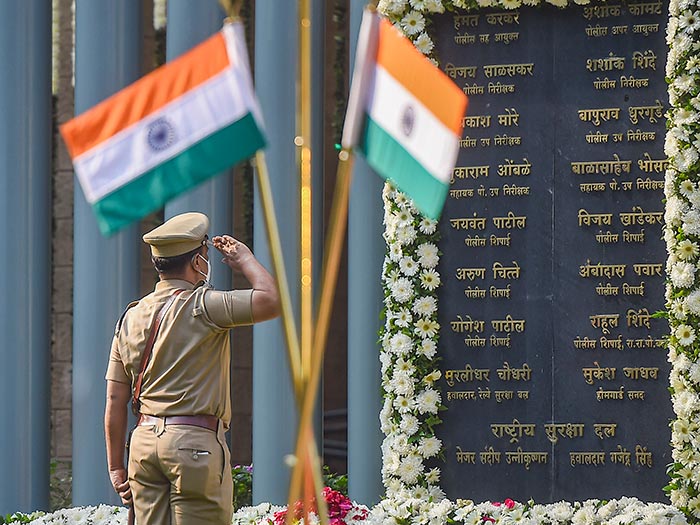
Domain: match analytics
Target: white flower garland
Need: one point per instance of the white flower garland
(625, 511)
(682, 235)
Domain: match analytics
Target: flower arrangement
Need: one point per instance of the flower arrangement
(624, 511)
(341, 510)
(409, 348)
(682, 234)
(93, 515)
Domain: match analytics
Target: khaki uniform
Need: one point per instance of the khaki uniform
(180, 474)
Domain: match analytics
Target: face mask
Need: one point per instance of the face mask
(207, 276)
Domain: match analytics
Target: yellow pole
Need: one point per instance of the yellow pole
(334, 247)
(273, 240)
(303, 140)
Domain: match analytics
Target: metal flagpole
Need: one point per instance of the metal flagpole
(334, 247)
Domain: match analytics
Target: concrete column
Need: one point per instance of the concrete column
(25, 235)
(189, 23)
(274, 409)
(365, 257)
(106, 278)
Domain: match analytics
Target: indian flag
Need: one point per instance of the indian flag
(174, 128)
(404, 115)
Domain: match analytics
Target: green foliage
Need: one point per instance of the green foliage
(19, 517)
(242, 486)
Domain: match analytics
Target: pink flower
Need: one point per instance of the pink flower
(509, 503)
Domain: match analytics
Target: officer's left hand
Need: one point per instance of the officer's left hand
(120, 482)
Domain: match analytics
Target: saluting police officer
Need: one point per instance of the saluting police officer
(179, 463)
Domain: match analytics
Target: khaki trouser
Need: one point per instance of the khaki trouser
(180, 475)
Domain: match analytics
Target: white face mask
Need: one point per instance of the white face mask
(207, 276)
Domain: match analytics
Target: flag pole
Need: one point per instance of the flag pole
(334, 248)
(275, 246)
(307, 459)
(232, 9)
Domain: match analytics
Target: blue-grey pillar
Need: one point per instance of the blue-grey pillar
(105, 270)
(25, 236)
(365, 257)
(274, 409)
(189, 23)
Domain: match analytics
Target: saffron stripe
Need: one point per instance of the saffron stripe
(146, 96)
(189, 119)
(411, 124)
(398, 56)
(154, 188)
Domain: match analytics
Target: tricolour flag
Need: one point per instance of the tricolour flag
(404, 115)
(167, 132)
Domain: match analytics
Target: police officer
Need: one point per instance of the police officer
(179, 463)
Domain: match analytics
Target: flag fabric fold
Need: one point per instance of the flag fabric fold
(404, 115)
(167, 132)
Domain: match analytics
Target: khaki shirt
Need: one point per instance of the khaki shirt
(189, 369)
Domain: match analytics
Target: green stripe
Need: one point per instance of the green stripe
(390, 160)
(199, 162)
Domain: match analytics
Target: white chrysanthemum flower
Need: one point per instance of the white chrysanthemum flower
(408, 266)
(683, 275)
(395, 252)
(691, 303)
(405, 235)
(681, 430)
(424, 43)
(425, 306)
(402, 365)
(558, 3)
(413, 23)
(510, 4)
(428, 401)
(687, 250)
(428, 348)
(427, 226)
(433, 476)
(683, 84)
(684, 403)
(429, 279)
(426, 328)
(679, 309)
(694, 506)
(392, 7)
(400, 344)
(694, 373)
(676, 208)
(402, 384)
(411, 467)
(402, 290)
(434, 6)
(403, 404)
(691, 222)
(429, 446)
(427, 254)
(403, 318)
(403, 217)
(409, 424)
(690, 21)
(686, 187)
(686, 158)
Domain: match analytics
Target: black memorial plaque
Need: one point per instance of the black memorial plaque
(554, 372)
